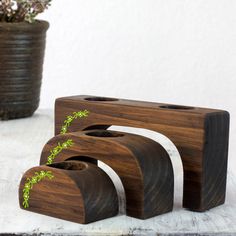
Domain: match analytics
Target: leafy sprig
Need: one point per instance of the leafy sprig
(71, 118)
(54, 153)
(68, 143)
(56, 150)
(39, 176)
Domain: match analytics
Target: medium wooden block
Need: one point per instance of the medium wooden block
(200, 135)
(143, 166)
(79, 192)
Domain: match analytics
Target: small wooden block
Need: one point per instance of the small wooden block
(200, 135)
(79, 192)
(143, 166)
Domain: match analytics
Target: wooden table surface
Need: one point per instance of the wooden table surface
(20, 146)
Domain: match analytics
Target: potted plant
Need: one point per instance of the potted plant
(22, 45)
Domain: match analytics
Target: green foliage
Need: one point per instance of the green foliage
(54, 153)
(31, 182)
(56, 150)
(68, 143)
(71, 118)
(22, 10)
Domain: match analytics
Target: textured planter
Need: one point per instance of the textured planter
(22, 48)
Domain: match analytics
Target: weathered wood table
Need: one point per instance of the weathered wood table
(20, 147)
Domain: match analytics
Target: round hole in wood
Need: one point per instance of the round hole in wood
(101, 99)
(70, 165)
(176, 107)
(83, 159)
(104, 134)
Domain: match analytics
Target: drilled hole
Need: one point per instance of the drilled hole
(101, 99)
(75, 165)
(104, 134)
(83, 159)
(176, 107)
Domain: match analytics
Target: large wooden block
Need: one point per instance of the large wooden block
(143, 166)
(200, 135)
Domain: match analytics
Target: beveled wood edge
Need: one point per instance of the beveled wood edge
(140, 104)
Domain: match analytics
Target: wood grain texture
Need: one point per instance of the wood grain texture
(79, 192)
(200, 135)
(22, 48)
(143, 166)
(13, 220)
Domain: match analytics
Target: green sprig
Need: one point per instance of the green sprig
(71, 118)
(54, 153)
(31, 182)
(56, 150)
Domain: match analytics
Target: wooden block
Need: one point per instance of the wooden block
(143, 166)
(200, 135)
(79, 192)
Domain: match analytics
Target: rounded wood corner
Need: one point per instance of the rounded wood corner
(142, 164)
(71, 194)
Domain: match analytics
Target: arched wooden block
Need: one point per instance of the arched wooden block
(79, 192)
(143, 166)
(200, 135)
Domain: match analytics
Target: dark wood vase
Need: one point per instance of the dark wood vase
(22, 47)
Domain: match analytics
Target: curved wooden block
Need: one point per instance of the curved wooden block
(79, 192)
(143, 166)
(201, 136)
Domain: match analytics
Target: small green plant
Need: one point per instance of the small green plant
(56, 150)
(68, 143)
(22, 10)
(39, 176)
(54, 153)
(71, 118)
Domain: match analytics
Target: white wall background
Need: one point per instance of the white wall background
(174, 51)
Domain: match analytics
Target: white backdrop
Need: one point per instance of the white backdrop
(174, 51)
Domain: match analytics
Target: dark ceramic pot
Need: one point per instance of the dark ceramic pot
(22, 48)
